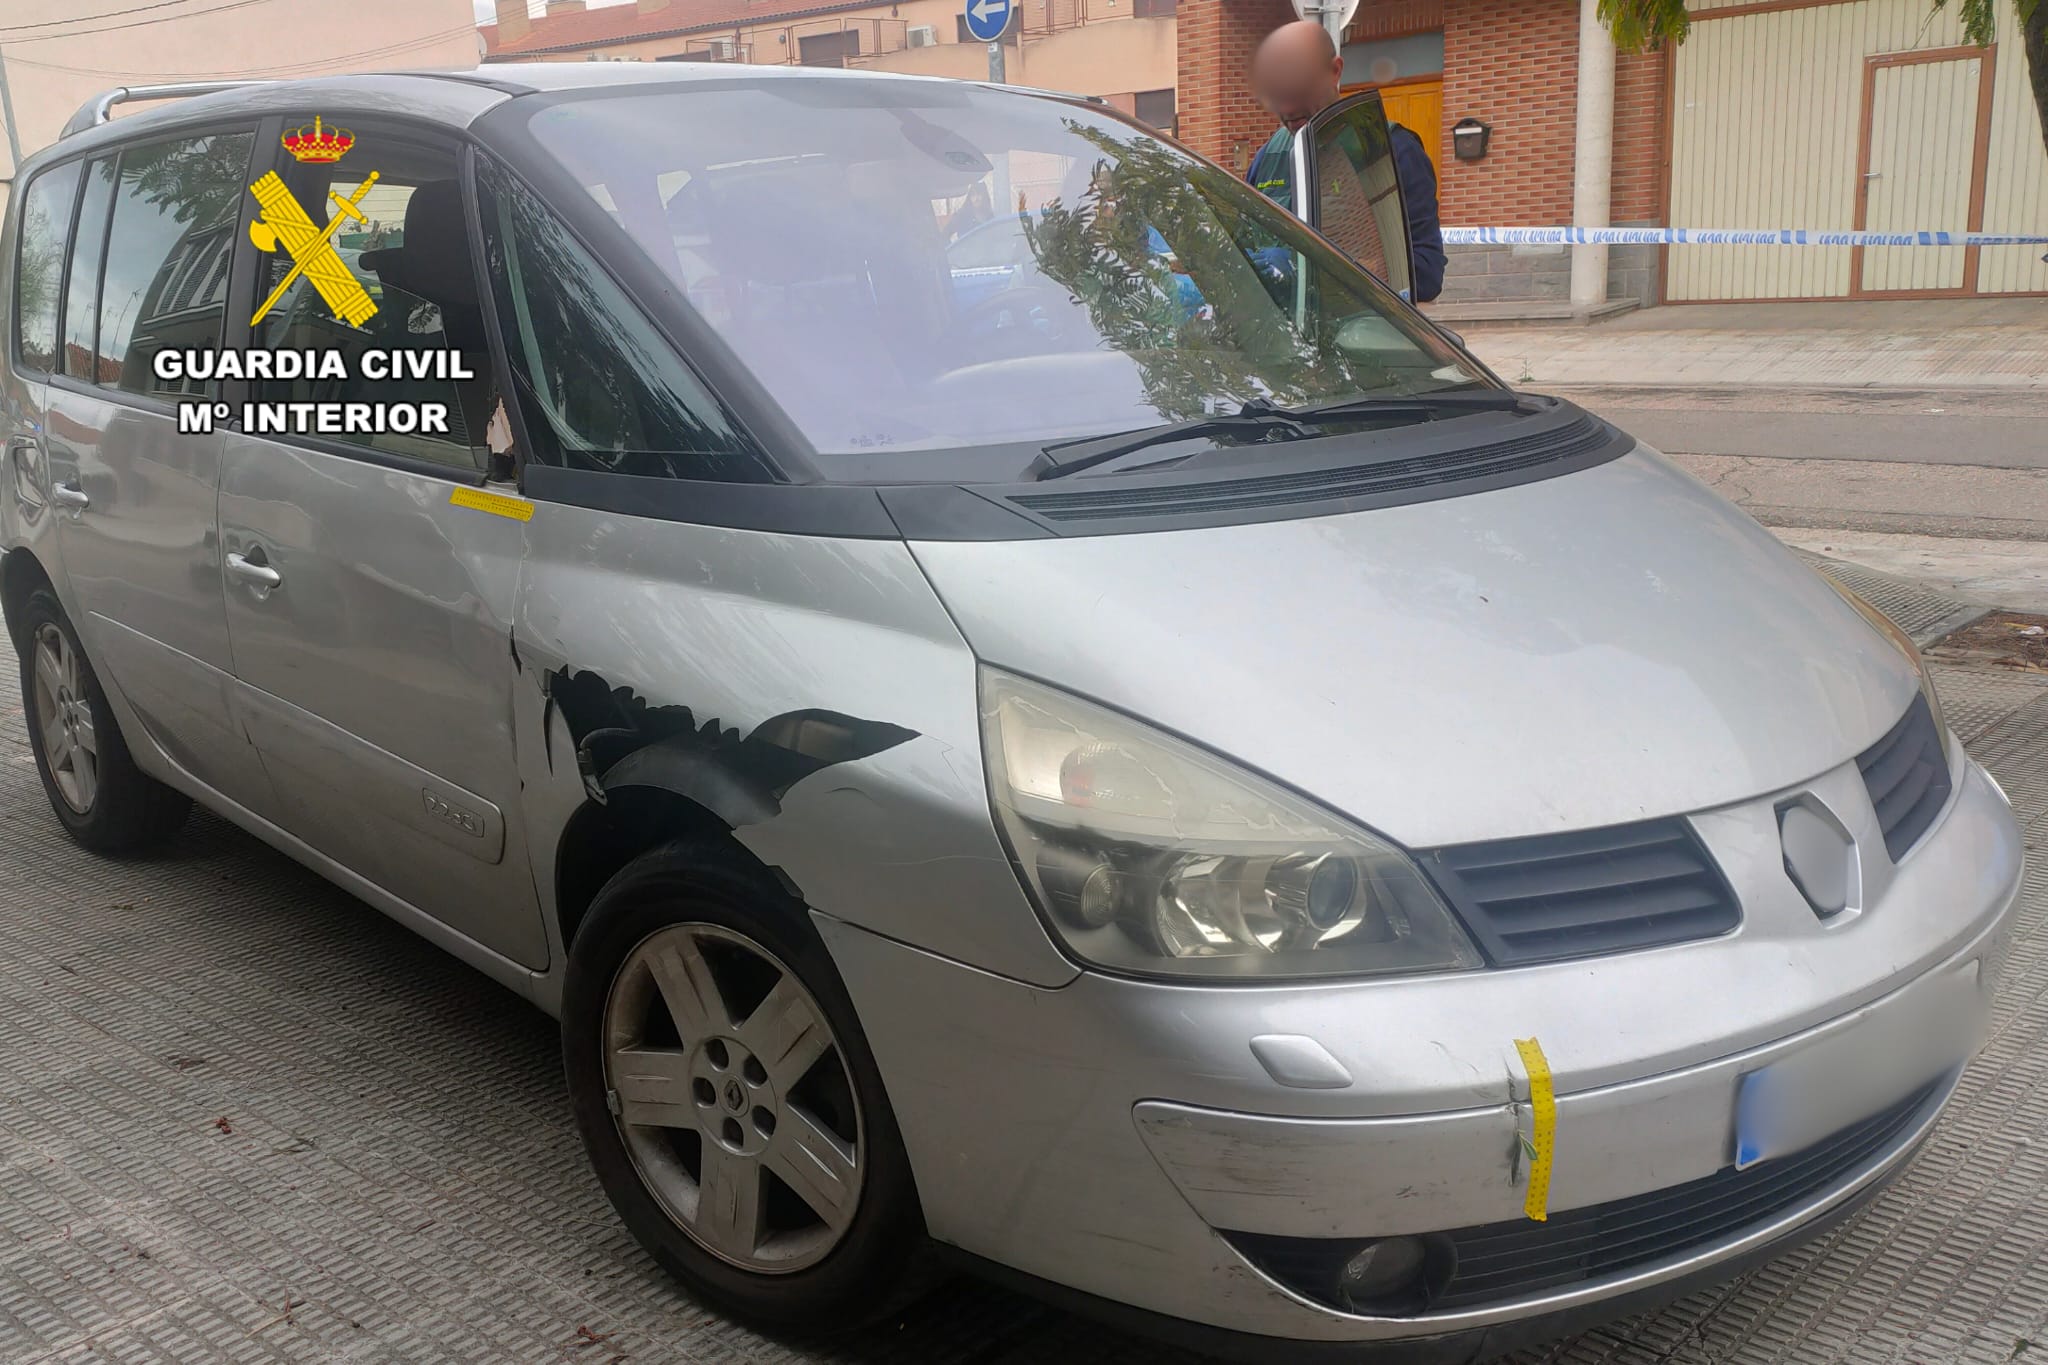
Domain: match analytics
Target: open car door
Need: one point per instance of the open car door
(1349, 189)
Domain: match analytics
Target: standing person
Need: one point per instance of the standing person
(1296, 73)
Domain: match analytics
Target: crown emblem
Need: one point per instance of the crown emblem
(316, 143)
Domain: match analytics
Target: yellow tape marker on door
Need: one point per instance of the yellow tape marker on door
(497, 504)
(1544, 1101)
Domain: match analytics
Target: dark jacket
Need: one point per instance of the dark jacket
(1418, 199)
(1271, 174)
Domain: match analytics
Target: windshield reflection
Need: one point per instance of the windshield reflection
(918, 266)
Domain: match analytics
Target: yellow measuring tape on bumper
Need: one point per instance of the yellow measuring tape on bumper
(1544, 1141)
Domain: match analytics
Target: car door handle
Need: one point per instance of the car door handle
(70, 495)
(254, 571)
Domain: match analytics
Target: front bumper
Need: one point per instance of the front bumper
(1103, 1135)
(1458, 1346)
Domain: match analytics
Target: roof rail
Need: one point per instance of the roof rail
(100, 107)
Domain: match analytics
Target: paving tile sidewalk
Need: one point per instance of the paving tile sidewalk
(1913, 344)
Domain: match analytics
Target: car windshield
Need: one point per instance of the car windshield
(916, 267)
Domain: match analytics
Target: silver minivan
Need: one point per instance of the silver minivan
(1020, 706)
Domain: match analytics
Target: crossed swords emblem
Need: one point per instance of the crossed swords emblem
(283, 223)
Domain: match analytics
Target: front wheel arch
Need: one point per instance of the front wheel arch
(601, 839)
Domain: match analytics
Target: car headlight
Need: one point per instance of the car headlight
(1890, 630)
(1148, 855)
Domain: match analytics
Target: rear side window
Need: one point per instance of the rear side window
(39, 271)
(82, 291)
(599, 387)
(173, 238)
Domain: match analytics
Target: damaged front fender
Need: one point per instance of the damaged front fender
(810, 695)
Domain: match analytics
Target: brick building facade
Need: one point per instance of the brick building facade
(1513, 65)
(1218, 116)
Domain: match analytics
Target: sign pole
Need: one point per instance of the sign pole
(987, 21)
(1333, 15)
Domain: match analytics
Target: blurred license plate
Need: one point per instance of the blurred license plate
(1762, 1127)
(1876, 1058)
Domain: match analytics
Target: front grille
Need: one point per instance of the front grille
(1593, 891)
(1508, 1260)
(1572, 443)
(1907, 775)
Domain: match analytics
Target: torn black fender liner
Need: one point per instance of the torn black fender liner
(622, 742)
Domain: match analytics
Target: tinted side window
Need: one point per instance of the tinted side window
(599, 386)
(39, 270)
(82, 292)
(173, 239)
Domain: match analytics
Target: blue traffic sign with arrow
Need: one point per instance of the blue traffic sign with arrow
(986, 19)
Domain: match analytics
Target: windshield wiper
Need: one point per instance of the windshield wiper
(1424, 406)
(1070, 457)
(1263, 420)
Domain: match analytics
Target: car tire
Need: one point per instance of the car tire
(102, 799)
(680, 944)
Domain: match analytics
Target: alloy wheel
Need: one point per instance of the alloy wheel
(733, 1098)
(64, 715)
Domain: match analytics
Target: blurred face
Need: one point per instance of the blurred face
(1294, 85)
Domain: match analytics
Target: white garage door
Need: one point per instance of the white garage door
(1777, 112)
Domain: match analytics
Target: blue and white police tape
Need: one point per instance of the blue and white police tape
(1656, 236)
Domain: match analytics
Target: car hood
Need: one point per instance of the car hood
(1606, 646)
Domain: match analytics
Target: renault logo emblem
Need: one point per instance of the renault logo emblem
(1820, 856)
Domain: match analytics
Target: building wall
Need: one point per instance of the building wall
(1514, 64)
(50, 76)
(1376, 19)
(1094, 47)
(1216, 39)
(1096, 59)
(958, 61)
(776, 42)
(1526, 90)
(1511, 64)
(1641, 87)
